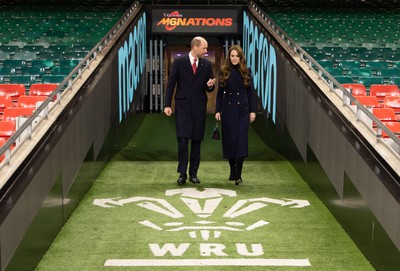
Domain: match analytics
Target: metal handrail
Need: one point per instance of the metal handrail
(44, 109)
(330, 81)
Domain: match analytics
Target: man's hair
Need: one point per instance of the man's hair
(196, 41)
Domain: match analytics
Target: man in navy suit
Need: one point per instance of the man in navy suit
(193, 77)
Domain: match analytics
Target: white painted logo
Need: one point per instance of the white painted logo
(203, 204)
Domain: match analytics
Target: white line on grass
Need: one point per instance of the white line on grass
(208, 262)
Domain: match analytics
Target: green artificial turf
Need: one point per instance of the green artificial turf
(146, 168)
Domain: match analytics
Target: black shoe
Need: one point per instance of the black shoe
(238, 181)
(194, 179)
(234, 175)
(182, 179)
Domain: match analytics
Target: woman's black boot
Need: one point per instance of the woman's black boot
(239, 165)
(233, 169)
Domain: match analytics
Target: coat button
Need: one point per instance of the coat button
(224, 92)
(238, 102)
(229, 102)
(237, 93)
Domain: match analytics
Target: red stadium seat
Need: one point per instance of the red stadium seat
(381, 91)
(356, 89)
(369, 101)
(393, 102)
(11, 113)
(30, 101)
(5, 101)
(7, 128)
(384, 114)
(12, 90)
(394, 126)
(2, 141)
(42, 89)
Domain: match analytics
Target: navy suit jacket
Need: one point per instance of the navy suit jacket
(190, 96)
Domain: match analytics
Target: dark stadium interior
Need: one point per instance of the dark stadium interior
(392, 4)
(349, 39)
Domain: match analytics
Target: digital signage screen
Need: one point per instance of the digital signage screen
(194, 21)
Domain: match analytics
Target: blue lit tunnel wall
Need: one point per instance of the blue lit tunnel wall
(261, 59)
(131, 63)
(325, 148)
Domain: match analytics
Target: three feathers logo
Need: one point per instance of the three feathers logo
(204, 206)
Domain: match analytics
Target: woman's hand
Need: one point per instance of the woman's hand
(218, 116)
(252, 117)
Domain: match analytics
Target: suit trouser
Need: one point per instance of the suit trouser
(183, 152)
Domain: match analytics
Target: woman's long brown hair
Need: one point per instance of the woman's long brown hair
(227, 67)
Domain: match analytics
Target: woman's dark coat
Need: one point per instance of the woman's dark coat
(190, 96)
(235, 102)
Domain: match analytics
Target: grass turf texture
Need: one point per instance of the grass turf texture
(94, 234)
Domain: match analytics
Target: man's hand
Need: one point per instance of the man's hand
(211, 82)
(168, 111)
(252, 117)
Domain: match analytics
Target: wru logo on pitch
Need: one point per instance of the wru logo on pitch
(203, 204)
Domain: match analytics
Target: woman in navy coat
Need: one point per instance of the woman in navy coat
(235, 108)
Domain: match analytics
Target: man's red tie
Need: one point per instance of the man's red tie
(194, 68)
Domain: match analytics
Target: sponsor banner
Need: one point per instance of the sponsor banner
(194, 21)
